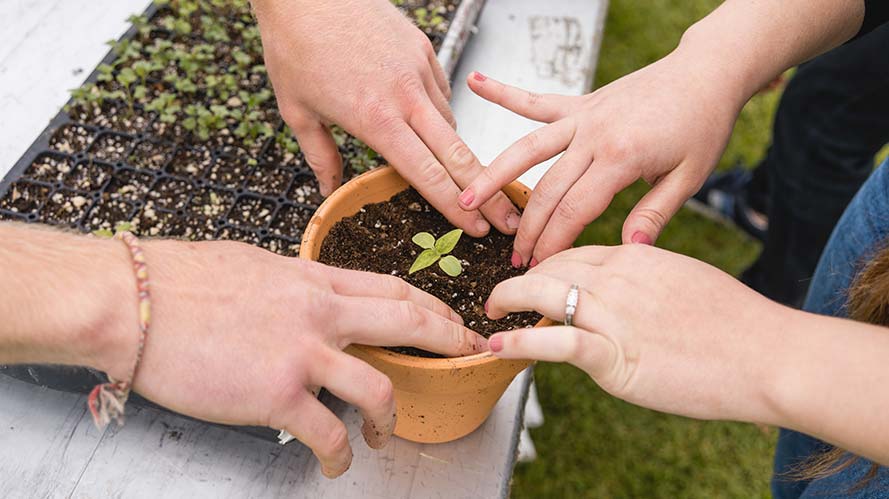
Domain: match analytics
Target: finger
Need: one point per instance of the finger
(382, 322)
(587, 350)
(321, 153)
(546, 196)
(441, 79)
(651, 214)
(538, 107)
(591, 255)
(543, 294)
(355, 382)
(582, 204)
(415, 162)
(320, 430)
(463, 166)
(536, 147)
(368, 284)
(440, 102)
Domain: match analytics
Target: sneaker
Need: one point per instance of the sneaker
(724, 197)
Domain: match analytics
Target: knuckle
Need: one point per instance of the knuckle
(460, 337)
(532, 99)
(460, 156)
(652, 217)
(618, 149)
(531, 143)
(382, 393)
(336, 440)
(398, 289)
(408, 83)
(375, 112)
(433, 173)
(411, 315)
(569, 208)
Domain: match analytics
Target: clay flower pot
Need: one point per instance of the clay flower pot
(438, 400)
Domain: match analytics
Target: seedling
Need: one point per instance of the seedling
(436, 250)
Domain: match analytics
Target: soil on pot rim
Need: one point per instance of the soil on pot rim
(378, 239)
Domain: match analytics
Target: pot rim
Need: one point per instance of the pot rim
(309, 241)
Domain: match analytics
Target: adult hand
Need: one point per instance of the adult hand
(667, 123)
(654, 328)
(362, 65)
(242, 336)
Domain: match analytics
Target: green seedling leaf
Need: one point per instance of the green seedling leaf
(446, 243)
(424, 240)
(450, 265)
(424, 259)
(106, 233)
(123, 227)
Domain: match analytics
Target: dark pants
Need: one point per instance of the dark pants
(833, 118)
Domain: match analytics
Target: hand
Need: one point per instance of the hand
(666, 123)
(654, 328)
(362, 65)
(242, 336)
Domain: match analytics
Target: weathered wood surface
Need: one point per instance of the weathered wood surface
(48, 446)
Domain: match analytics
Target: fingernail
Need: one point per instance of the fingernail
(495, 343)
(478, 76)
(482, 225)
(486, 306)
(516, 260)
(466, 197)
(533, 262)
(641, 238)
(512, 220)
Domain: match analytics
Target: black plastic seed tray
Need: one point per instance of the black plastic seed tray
(92, 171)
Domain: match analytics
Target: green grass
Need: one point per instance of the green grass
(594, 445)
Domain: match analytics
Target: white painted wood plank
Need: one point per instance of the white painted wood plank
(542, 46)
(49, 47)
(51, 449)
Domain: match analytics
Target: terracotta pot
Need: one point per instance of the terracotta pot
(438, 400)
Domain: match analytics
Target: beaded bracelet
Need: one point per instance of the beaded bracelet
(106, 401)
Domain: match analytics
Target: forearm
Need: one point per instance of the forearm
(828, 379)
(64, 299)
(742, 45)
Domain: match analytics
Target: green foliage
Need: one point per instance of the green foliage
(436, 250)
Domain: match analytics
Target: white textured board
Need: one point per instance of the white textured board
(48, 446)
(46, 48)
(545, 47)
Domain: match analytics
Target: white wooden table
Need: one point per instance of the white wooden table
(48, 445)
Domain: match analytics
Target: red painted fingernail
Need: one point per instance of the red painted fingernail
(533, 262)
(478, 76)
(516, 260)
(495, 343)
(466, 197)
(486, 306)
(641, 238)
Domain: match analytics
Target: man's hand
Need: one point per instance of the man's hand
(238, 335)
(362, 65)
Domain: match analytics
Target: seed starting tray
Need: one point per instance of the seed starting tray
(89, 172)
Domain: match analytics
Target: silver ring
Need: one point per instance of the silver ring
(571, 304)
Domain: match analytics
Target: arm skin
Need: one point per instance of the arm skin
(667, 123)
(671, 333)
(281, 322)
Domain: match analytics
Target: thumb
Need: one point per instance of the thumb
(651, 214)
(321, 153)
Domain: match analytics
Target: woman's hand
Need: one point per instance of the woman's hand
(362, 65)
(667, 123)
(654, 328)
(242, 336)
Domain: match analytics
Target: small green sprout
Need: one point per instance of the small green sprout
(436, 250)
